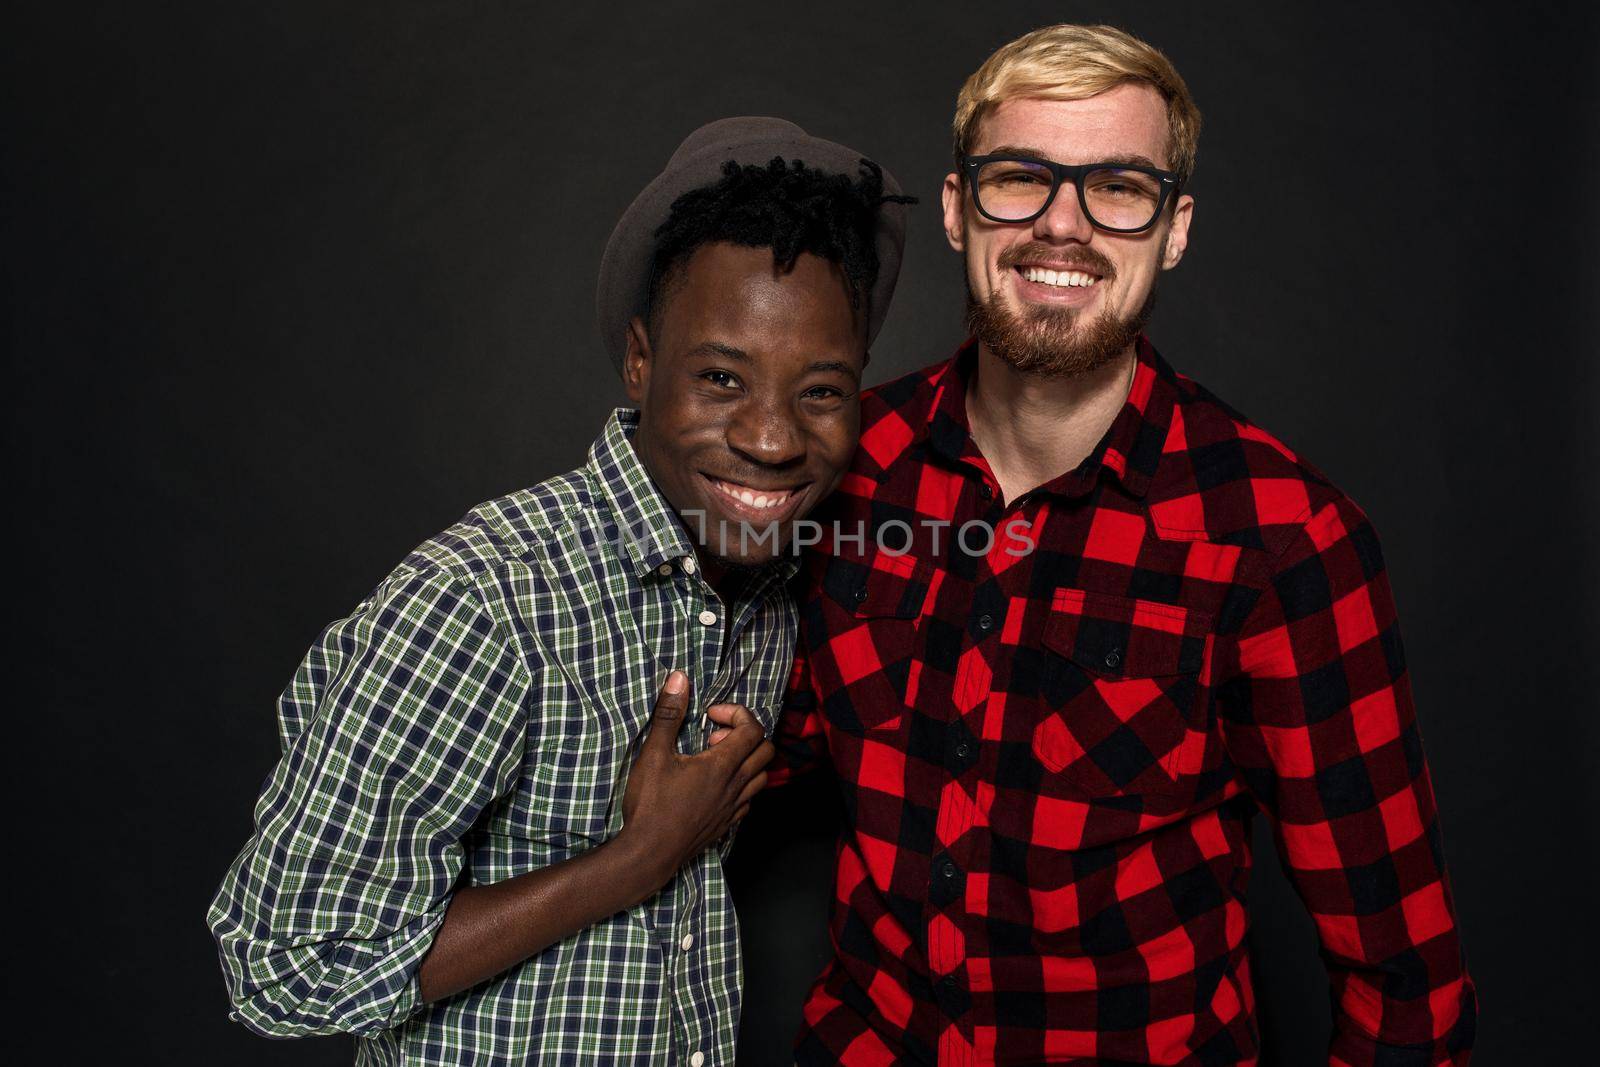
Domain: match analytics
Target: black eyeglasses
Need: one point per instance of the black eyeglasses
(1119, 197)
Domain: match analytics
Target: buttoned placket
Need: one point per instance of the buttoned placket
(711, 635)
(714, 629)
(986, 613)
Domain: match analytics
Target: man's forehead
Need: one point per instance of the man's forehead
(1129, 120)
(739, 294)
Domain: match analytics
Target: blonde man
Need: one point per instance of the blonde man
(1098, 621)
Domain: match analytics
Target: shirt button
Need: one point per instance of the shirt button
(697, 1060)
(1113, 658)
(687, 943)
(985, 491)
(708, 618)
(664, 569)
(949, 983)
(947, 869)
(963, 750)
(688, 564)
(860, 595)
(985, 623)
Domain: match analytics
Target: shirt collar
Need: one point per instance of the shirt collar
(646, 524)
(650, 531)
(1130, 448)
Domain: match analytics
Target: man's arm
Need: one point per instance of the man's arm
(402, 725)
(674, 807)
(1318, 716)
(415, 718)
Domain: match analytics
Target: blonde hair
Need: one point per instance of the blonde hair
(1069, 62)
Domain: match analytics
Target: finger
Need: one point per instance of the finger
(752, 789)
(667, 717)
(724, 714)
(758, 758)
(741, 741)
(718, 734)
(737, 714)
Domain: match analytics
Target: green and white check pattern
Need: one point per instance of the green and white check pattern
(476, 717)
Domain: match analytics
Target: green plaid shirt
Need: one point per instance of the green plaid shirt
(476, 717)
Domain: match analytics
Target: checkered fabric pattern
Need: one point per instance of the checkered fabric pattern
(475, 719)
(1051, 745)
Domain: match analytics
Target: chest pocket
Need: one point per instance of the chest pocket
(1122, 683)
(873, 609)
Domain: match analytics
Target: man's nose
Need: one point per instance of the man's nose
(763, 430)
(1064, 219)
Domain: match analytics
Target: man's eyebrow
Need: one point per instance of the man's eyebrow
(1132, 159)
(1019, 151)
(839, 366)
(722, 350)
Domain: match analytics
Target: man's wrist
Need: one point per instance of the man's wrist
(637, 865)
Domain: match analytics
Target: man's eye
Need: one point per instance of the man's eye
(822, 392)
(1119, 191)
(1019, 177)
(720, 377)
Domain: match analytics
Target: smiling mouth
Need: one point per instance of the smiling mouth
(758, 503)
(1061, 279)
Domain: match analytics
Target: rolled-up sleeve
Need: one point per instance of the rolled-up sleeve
(402, 725)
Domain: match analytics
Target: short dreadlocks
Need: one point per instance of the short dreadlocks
(785, 206)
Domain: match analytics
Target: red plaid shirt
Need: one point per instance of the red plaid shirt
(1050, 746)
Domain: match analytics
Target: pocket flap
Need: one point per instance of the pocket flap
(881, 586)
(1125, 637)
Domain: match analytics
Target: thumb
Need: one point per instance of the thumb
(667, 718)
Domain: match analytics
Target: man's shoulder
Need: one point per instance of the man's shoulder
(1223, 477)
(508, 530)
(909, 390)
(892, 411)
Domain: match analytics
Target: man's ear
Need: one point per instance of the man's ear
(637, 361)
(1178, 233)
(954, 202)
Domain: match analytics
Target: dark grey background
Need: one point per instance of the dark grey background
(291, 286)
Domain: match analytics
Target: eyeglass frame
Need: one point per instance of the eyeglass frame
(1070, 172)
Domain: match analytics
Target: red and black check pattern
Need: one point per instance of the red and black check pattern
(1050, 747)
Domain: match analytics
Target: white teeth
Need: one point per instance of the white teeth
(753, 499)
(1069, 278)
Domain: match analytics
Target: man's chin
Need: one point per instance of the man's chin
(1053, 342)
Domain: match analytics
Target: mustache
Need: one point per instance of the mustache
(1080, 258)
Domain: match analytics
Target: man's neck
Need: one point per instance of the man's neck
(725, 579)
(1032, 429)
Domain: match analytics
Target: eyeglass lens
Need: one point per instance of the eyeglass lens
(1016, 189)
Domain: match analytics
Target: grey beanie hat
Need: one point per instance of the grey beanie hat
(625, 269)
